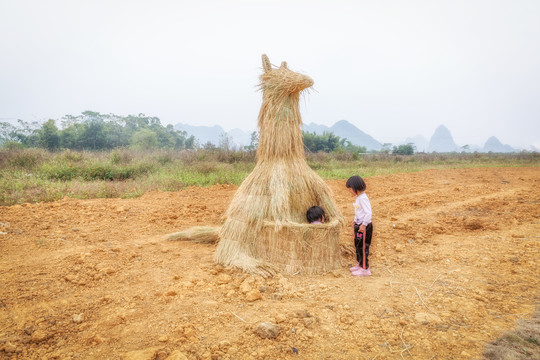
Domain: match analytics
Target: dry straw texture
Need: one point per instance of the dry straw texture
(198, 234)
(265, 228)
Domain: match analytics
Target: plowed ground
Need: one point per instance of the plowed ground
(455, 262)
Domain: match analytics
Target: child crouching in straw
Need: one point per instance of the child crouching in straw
(315, 215)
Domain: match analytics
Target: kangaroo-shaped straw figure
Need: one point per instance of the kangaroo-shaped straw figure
(267, 215)
(265, 228)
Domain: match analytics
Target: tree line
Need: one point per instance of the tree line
(95, 131)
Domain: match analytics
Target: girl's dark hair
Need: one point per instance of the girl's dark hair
(315, 213)
(356, 183)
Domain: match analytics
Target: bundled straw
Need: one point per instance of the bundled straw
(198, 234)
(265, 226)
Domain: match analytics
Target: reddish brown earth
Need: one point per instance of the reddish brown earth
(455, 262)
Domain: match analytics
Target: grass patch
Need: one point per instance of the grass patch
(35, 175)
(520, 343)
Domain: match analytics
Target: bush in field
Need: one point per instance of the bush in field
(22, 158)
(73, 156)
(121, 156)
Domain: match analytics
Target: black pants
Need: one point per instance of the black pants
(362, 245)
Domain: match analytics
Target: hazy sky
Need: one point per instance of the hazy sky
(392, 68)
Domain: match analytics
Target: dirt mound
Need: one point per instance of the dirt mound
(454, 263)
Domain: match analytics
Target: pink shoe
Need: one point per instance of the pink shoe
(361, 272)
(355, 267)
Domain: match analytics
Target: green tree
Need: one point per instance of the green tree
(95, 131)
(7, 132)
(254, 144)
(346, 146)
(93, 136)
(386, 148)
(189, 143)
(407, 149)
(26, 133)
(48, 136)
(326, 142)
(144, 139)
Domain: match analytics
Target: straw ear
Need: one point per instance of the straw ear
(284, 64)
(266, 63)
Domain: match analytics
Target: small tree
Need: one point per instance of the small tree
(254, 142)
(386, 147)
(404, 149)
(144, 139)
(225, 142)
(48, 136)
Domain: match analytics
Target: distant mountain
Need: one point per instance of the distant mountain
(420, 142)
(203, 134)
(345, 129)
(494, 145)
(240, 137)
(442, 141)
(214, 134)
(342, 128)
(315, 128)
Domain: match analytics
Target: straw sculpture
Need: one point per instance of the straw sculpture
(265, 228)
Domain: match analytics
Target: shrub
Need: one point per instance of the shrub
(121, 156)
(164, 158)
(26, 159)
(73, 156)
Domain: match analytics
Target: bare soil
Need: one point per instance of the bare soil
(455, 263)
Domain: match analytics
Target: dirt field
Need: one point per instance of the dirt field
(455, 263)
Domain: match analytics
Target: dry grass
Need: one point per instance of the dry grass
(521, 343)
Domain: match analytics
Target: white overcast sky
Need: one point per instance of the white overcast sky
(393, 68)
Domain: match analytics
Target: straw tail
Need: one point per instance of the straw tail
(197, 234)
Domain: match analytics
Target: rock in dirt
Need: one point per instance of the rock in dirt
(78, 318)
(246, 285)
(426, 318)
(177, 355)
(224, 278)
(163, 338)
(346, 319)
(267, 330)
(302, 313)
(10, 348)
(281, 318)
(145, 354)
(39, 336)
(253, 295)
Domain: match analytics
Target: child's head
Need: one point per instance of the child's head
(315, 213)
(356, 184)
